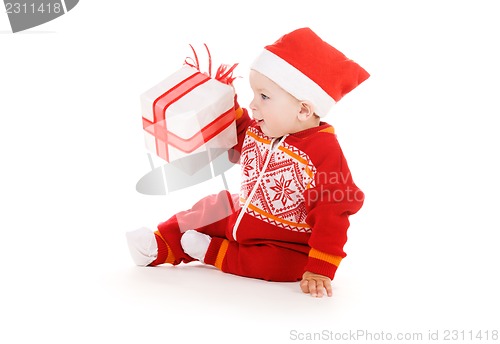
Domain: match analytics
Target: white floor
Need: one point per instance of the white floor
(71, 280)
(420, 137)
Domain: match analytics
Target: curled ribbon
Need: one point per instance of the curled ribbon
(224, 73)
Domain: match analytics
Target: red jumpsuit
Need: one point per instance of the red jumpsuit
(291, 215)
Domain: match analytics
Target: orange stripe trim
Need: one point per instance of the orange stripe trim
(238, 113)
(257, 138)
(334, 260)
(221, 254)
(309, 185)
(330, 130)
(277, 219)
(301, 160)
(309, 172)
(170, 256)
(293, 155)
(298, 158)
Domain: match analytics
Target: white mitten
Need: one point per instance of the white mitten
(142, 246)
(195, 244)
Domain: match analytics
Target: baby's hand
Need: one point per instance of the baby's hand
(314, 284)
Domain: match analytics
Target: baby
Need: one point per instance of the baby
(290, 220)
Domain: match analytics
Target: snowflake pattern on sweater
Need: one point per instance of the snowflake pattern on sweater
(279, 198)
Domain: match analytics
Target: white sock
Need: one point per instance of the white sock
(142, 246)
(195, 244)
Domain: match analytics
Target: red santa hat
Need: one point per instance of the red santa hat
(310, 69)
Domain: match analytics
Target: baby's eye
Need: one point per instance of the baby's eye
(263, 96)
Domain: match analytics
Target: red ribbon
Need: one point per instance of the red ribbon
(158, 128)
(224, 73)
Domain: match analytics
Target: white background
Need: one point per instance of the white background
(420, 137)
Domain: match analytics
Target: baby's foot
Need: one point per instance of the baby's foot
(142, 245)
(195, 244)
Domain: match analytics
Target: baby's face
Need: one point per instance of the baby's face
(274, 109)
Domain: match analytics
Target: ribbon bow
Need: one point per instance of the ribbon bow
(224, 73)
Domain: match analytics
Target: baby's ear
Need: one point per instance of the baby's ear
(306, 110)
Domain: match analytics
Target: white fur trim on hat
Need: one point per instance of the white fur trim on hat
(293, 81)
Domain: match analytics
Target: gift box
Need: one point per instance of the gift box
(189, 113)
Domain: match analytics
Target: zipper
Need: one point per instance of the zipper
(272, 149)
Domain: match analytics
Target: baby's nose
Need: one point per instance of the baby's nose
(252, 105)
